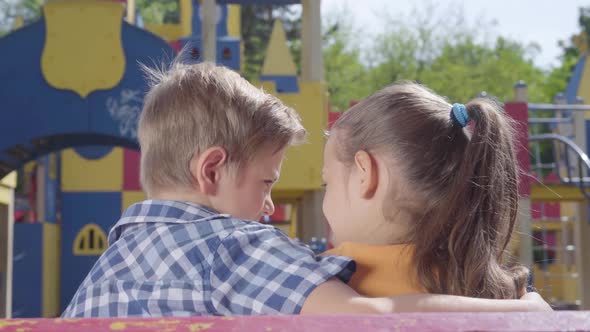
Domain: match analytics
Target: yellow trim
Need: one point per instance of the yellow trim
(553, 287)
(569, 208)
(130, 198)
(52, 172)
(278, 59)
(234, 21)
(302, 167)
(83, 239)
(287, 195)
(18, 23)
(584, 86)
(293, 226)
(6, 195)
(168, 32)
(556, 193)
(9, 181)
(186, 17)
(30, 166)
(130, 11)
(549, 225)
(7, 185)
(107, 172)
(51, 270)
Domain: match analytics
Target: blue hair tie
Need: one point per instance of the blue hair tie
(459, 115)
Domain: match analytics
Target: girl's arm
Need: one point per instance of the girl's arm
(333, 297)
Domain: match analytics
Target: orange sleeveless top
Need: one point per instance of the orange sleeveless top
(381, 270)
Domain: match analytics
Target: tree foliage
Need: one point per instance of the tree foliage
(346, 75)
(431, 45)
(158, 12)
(454, 58)
(28, 10)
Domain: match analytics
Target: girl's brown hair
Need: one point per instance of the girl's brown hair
(464, 181)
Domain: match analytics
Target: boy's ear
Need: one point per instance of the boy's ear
(206, 169)
(367, 169)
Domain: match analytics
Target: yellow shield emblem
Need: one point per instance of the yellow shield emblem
(83, 48)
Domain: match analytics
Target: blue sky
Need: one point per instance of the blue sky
(544, 22)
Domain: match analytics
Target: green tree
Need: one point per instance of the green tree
(159, 11)
(465, 69)
(452, 57)
(345, 74)
(29, 10)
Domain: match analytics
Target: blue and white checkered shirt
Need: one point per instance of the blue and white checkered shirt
(168, 258)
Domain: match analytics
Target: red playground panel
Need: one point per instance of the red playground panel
(333, 117)
(543, 321)
(518, 111)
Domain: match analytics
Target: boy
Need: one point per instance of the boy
(212, 147)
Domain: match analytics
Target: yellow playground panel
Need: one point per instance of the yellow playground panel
(555, 271)
(556, 249)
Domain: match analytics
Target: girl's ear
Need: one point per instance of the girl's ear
(366, 167)
(206, 169)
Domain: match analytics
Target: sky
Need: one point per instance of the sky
(544, 22)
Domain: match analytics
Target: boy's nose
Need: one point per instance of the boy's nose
(269, 207)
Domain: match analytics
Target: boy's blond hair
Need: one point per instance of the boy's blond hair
(192, 107)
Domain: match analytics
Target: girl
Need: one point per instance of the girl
(422, 201)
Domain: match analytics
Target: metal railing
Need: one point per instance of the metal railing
(582, 163)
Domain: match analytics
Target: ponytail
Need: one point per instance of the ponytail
(478, 211)
(460, 164)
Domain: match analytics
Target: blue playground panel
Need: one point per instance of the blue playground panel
(27, 281)
(571, 91)
(38, 118)
(78, 210)
(227, 51)
(283, 83)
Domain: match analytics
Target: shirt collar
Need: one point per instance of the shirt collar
(162, 211)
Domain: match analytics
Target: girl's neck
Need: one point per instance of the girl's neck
(391, 229)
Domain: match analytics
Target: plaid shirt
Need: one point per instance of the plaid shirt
(168, 258)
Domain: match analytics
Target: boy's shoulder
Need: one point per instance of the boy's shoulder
(193, 229)
(183, 237)
(184, 220)
(221, 264)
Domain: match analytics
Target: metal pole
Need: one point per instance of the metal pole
(209, 27)
(524, 203)
(312, 67)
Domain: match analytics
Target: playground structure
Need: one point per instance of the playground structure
(557, 193)
(72, 94)
(71, 100)
(553, 222)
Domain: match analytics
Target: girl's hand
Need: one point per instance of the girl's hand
(537, 302)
